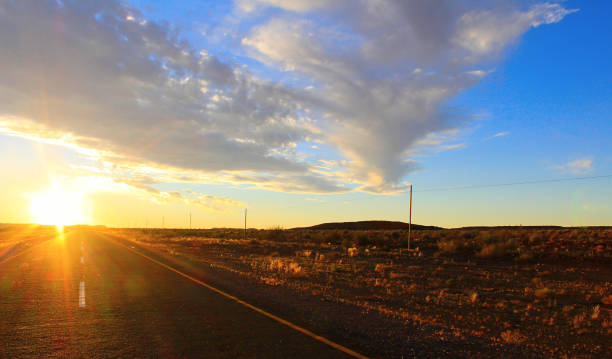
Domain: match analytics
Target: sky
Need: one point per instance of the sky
(304, 112)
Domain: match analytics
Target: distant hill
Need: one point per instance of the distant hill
(543, 227)
(481, 228)
(369, 225)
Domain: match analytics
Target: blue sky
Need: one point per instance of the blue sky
(330, 112)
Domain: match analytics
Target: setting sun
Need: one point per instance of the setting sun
(57, 206)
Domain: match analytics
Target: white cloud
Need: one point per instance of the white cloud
(136, 90)
(132, 91)
(486, 32)
(99, 77)
(577, 167)
(385, 70)
(499, 134)
(292, 5)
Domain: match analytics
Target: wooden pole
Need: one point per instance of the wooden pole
(245, 217)
(410, 218)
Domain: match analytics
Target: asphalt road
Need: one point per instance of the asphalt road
(85, 296)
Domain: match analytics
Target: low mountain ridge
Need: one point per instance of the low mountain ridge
(369, 225)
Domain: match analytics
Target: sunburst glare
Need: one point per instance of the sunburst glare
(58, 206)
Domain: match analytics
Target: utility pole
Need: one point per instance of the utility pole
(410, 218)
(245, 217)
(190, 220)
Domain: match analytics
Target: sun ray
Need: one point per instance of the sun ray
(57, 206)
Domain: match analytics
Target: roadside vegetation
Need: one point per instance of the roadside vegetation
(547, 292)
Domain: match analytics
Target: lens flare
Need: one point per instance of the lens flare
(57, 206)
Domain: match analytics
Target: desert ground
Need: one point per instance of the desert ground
(530, 292)
(536, 292)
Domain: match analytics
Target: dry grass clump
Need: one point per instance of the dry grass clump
(449, 246)
(289, 267)
(454, 246)
(473, 296)
(543, 293)
(512, 337)
(498, 250)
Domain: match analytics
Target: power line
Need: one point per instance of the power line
(440, 189)
(513, 183)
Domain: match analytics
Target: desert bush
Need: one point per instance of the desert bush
(473, 296)
(498, 249)
(483, 237)
(290, 268)
(333, 237)
(543, 293)
(468, 235)
(399, 275)
(275, 234)
(525, 256)
(595, 313)
(363, 240)
(347, 242)
(512, 337)
(494, 250)
(451, 282)
(381, 268)
(451, 246)
(333, 267)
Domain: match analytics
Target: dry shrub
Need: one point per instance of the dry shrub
(595, 313)
(380, 282)
(512, 337)
(347, 242)
(451, 282)
(295, 270)
(473, 295)
(543, 293)
(396, 275)
(492, 251)
(497, 250)
(525, 256)
(333, 237)
(448, 246)
(381, 268)
(578, 320)
(290, 268)
(451, 246)
(275, 234)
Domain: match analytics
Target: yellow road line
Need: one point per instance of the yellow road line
(258, 310)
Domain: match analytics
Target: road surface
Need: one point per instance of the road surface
(85, 296)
